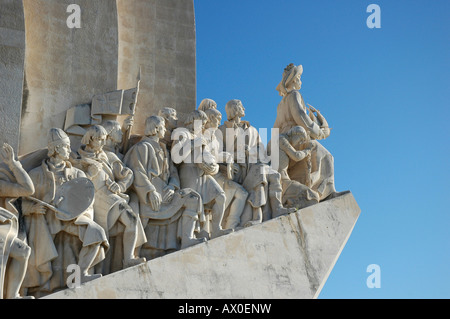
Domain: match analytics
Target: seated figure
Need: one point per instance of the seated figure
(169, 213)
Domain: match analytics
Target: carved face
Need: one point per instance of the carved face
(297, 83)
(214, 122)
(171, 121)
(63, 151)
(297, 140)
(161, 131)
(116, 134)
(240, 111)
(97, 143)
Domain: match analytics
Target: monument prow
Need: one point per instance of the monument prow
(289, 257)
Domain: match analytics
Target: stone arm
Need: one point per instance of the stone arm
(291, 151)
(123, 175)
(298, 112)
(23, 185)
(321, 121)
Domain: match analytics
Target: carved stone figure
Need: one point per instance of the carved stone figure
(293, 112)
(171, 119)
(113, 143)
(207, 104)
(262, 183)
(236, 195)
(60, 239)
(295, 194)
(169, 213)
(197, 167)
(14, 252)
(111, 209)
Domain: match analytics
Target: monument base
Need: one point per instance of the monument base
(289, 257)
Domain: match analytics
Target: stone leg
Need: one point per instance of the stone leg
(129, 219)
(217, 215)
(275, 196)
(189, 222)
(188, 238)
(85, 261)
(236, 208)
(15, 273)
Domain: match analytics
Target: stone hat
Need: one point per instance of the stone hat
(290, 73)
(57, 136)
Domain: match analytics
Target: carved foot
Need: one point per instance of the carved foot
(24, 297)
(334, 195)
(133, 262)
(203, 234)
(251, 223)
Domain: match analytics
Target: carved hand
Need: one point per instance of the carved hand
(128, 122)
(114, 187)
(155, 200)
(209, 168)
(7, 154)
(168, 194)
(39, 209)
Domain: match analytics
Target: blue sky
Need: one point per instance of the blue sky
(385, 93)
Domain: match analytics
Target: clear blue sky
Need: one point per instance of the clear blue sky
(385, 93)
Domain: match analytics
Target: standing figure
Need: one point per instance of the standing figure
(293, 112)
(236, 195)
(197, 167)
(14, 252)
(168, 213)
(58, 241)
(111, 209)
(295, 194)
(262, 183)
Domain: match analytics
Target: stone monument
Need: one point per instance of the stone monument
(119, 177)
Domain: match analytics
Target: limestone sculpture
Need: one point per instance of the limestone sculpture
(114, 143)
(168, 212)
(59, 236)
(14, 252)
(117, 201)
(196, 169)
(291, 112)
(171, 120)
(111, 209)
(235, 194)
(263, 185)
(295, 194)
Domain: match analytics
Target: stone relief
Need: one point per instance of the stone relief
(112, 201)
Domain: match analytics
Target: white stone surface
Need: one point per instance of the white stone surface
(287, 257)
(12, 57)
